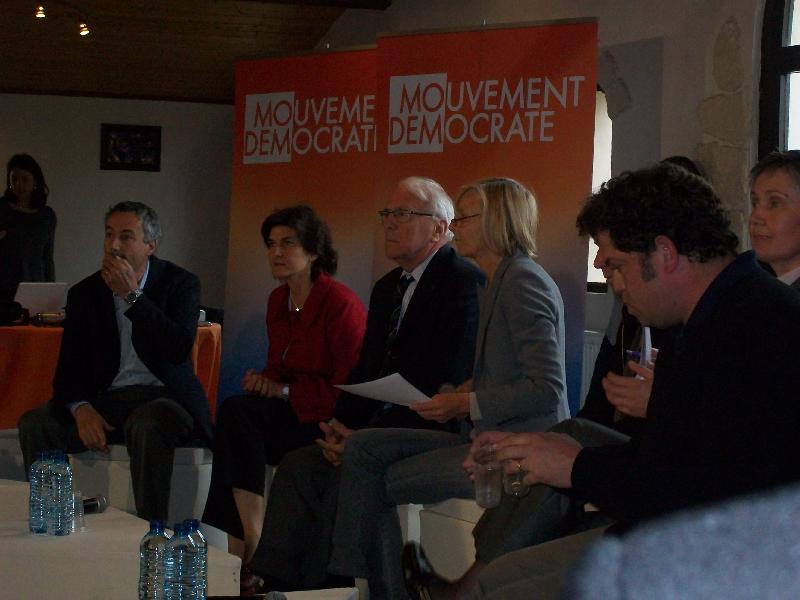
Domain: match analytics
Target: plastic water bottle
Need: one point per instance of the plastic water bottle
(152, 551)
(60, 504)
(39, 478)
(201, 558)
(180, 579)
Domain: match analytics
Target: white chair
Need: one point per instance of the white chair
(446, 535)
(11, 464)
(110, 475)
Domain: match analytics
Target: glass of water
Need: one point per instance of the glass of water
(488, 478)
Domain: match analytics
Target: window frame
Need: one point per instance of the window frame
(777, 61)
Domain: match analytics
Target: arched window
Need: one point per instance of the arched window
(779, 104)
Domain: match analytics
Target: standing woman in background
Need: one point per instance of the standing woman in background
(27, 227)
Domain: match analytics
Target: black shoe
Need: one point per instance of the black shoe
(420, 578)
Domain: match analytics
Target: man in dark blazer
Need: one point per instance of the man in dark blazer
(722, 417)
(124, 371)
(432, 344)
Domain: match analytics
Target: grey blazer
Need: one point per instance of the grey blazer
(519, 376)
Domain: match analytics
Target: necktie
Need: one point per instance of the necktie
(394, 321)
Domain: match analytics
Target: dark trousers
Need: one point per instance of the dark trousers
(252, 432)
(301, 510)
(150, 424)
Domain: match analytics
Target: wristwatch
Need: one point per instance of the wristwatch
(133, 296)
(285, 392)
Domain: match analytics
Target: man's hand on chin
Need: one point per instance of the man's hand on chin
(92, 427)
(118, 274)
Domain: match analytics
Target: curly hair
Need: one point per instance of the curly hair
(637, 206)
(313, 233)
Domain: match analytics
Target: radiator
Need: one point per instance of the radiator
(592, 340)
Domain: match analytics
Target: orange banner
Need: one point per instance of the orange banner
(516, 102)
(305, 132)
(338, 130)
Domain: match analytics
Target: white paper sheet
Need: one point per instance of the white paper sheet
(393, 388)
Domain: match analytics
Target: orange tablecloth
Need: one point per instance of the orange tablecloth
(28, 357)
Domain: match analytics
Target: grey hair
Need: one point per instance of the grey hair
(433, 197)
(151, 226)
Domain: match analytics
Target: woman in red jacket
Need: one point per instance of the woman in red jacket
(315, 326)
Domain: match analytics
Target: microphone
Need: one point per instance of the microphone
(94, 505)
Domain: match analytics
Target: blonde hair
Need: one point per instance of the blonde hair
(509, 215)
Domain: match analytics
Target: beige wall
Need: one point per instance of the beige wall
(191, 193)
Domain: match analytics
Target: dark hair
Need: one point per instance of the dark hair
(685, 162)
(151, 226)
(637, 206)
(788, 161)
(27, 163)
(313, 233)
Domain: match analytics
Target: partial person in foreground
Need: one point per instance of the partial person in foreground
(518, 384)
(740, 549)
(775, 214)
(315, 326)
(421, 324)
(27, 227)
(722, 414)
(125, 373)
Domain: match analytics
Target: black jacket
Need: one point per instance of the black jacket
(435, 343)
(164, 323)
(723, 414)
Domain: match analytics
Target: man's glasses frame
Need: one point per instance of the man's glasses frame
(401, 215)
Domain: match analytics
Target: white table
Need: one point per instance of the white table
(101, 563)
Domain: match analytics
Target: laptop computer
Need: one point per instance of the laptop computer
(39, 297)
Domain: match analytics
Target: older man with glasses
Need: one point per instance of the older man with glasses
(422, 324)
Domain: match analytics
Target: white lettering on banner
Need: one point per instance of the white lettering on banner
(426, 111)
(268, 128)
(278, 126)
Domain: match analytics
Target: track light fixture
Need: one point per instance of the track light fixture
(83, 27)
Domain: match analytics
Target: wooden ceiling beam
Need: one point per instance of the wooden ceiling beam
(362, 4)
(178, 50)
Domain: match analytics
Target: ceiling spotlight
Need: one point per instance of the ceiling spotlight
(40, 12)
(83, 29)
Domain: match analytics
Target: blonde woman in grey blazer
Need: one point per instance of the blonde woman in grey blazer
(518, 384)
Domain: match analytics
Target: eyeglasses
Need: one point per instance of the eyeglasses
(458, 220)
(401, 215)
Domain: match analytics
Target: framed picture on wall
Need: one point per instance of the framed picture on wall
(130, 147)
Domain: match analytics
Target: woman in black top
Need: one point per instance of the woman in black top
(27, 227)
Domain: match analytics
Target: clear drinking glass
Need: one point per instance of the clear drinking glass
(488, 478)
(78, 522)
